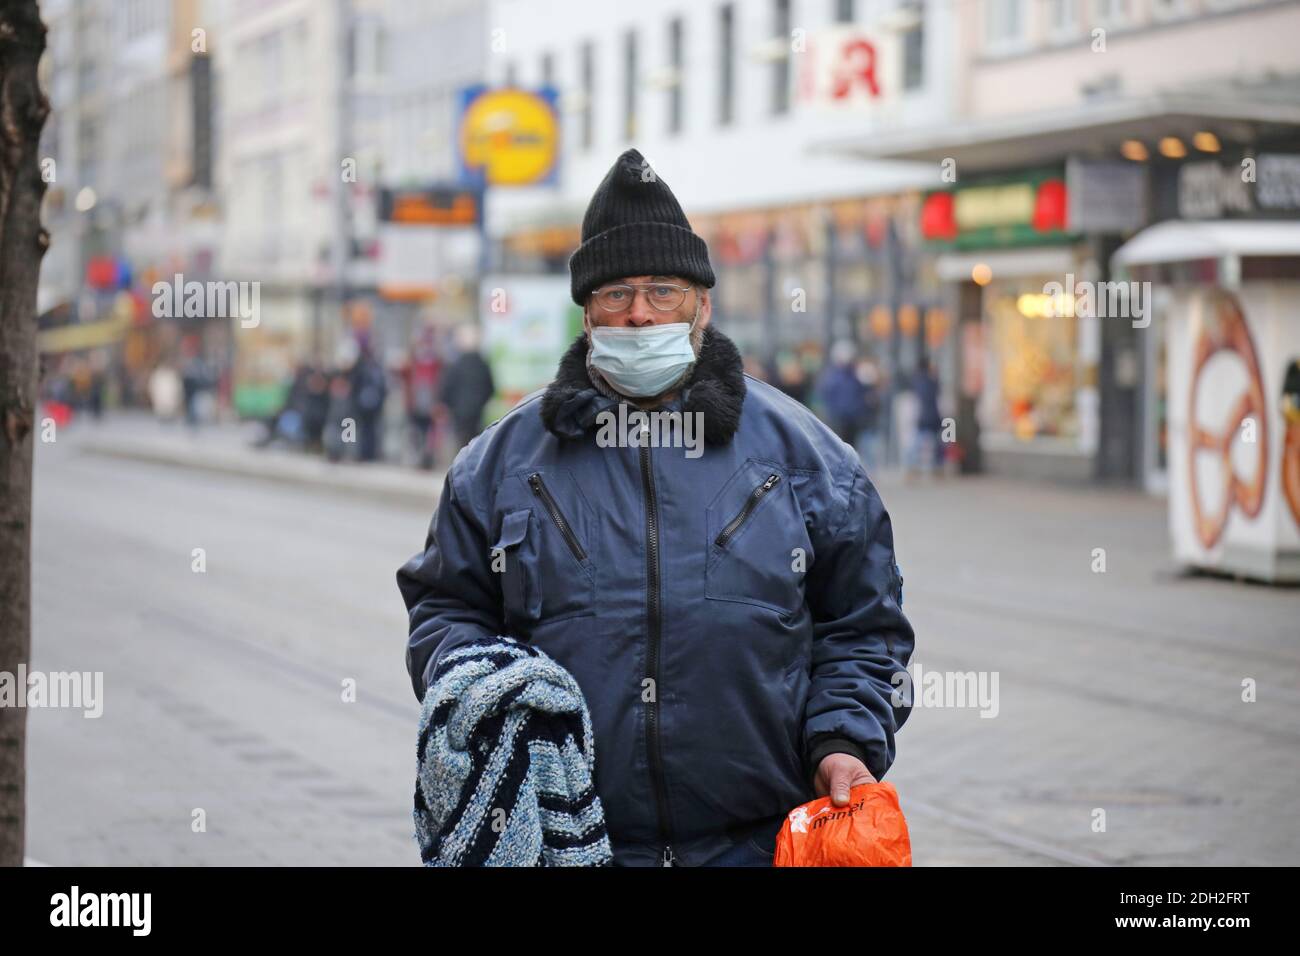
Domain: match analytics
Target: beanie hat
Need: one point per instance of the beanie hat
(635, 226)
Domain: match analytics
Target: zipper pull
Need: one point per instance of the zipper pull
(669, 859)
(771, 480)
(535, 481)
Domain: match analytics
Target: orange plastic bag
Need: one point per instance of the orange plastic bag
(869, 831)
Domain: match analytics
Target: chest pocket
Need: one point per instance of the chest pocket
(543, 555)
(759, 551)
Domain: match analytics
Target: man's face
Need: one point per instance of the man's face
(642, 311)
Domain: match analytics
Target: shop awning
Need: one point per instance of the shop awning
(1050, 136)
(79, 336)
(1182, 241)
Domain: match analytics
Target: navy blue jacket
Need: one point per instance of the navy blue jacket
(731, 617)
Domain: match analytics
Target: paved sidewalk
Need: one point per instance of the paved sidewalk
(229, 449)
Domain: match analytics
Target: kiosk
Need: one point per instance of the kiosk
(1232, 327)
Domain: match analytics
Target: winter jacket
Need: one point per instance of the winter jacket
(732, 617)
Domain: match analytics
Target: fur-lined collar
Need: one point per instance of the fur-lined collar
(716, 387)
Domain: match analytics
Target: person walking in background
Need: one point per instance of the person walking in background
(925, 446)
(790, 377)
(165, 392)
(420, 381)
(369, 389)
(467, 386)
(196, 379)
(315, 406)
(868, 438)
(842, 396)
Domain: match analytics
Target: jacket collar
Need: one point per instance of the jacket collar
(715, 387)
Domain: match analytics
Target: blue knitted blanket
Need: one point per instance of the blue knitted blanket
(505, 763)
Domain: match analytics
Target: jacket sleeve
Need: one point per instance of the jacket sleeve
(451, 593)
(860, 637)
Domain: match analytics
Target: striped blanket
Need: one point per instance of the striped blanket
(505, 763)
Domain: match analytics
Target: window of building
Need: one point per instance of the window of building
(629, 86)
(843, 11)
(1170, 9)
(726, 64)
(781, 64)
(1060, 20)
(914, 48)
(588, 70)
(1004, 25)
(676, 65)
(1112, 13)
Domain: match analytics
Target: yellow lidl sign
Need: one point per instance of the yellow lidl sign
(508, 137)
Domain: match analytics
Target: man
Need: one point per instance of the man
(467, 387)
(732, 617)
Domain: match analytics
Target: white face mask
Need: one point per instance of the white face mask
(643, 362)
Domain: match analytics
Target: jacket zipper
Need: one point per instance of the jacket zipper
(653, 753)
(540, 489)
(755, 497)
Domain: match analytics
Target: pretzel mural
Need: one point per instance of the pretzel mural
(1225, 328)
(1291, 443)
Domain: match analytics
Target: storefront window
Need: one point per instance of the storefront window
(1034, 355)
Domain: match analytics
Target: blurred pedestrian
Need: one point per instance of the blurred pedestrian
(421, 378)
(467, 386)
(790, 377)
(196, 379)
(315, 406)
(868, 438)
(925, 448)
(165, 392)
(842, 396)
(337, 436)
(369, 384)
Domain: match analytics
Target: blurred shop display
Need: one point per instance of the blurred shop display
(527, 323)
(1233, 379)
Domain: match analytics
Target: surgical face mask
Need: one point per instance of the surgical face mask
(643, 362)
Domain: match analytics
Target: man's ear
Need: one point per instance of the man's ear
(706, 306)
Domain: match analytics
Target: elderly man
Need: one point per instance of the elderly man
(733, 617)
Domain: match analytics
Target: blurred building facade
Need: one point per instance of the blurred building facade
(1076, 123)
(129, 147)
(418, 151)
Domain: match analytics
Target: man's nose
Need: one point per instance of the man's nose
(641, 312)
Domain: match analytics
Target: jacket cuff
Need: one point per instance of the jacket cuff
(825, 744)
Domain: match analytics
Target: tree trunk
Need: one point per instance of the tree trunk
(23, 241)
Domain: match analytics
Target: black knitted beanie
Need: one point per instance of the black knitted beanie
(634, 226)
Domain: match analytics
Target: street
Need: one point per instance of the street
(224, 690)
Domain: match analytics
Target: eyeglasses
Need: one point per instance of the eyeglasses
(664, 297)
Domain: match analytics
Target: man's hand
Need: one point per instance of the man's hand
(837, 774)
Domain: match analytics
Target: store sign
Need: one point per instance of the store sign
(508, 137)
(850, 68)
(431, 206)
(1024, 211)
(413, 230)
(1278, 185)
(1209, 190)
(1106, 195)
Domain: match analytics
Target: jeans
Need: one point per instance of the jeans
(756, 849)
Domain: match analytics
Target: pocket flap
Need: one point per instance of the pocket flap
(513, 529)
